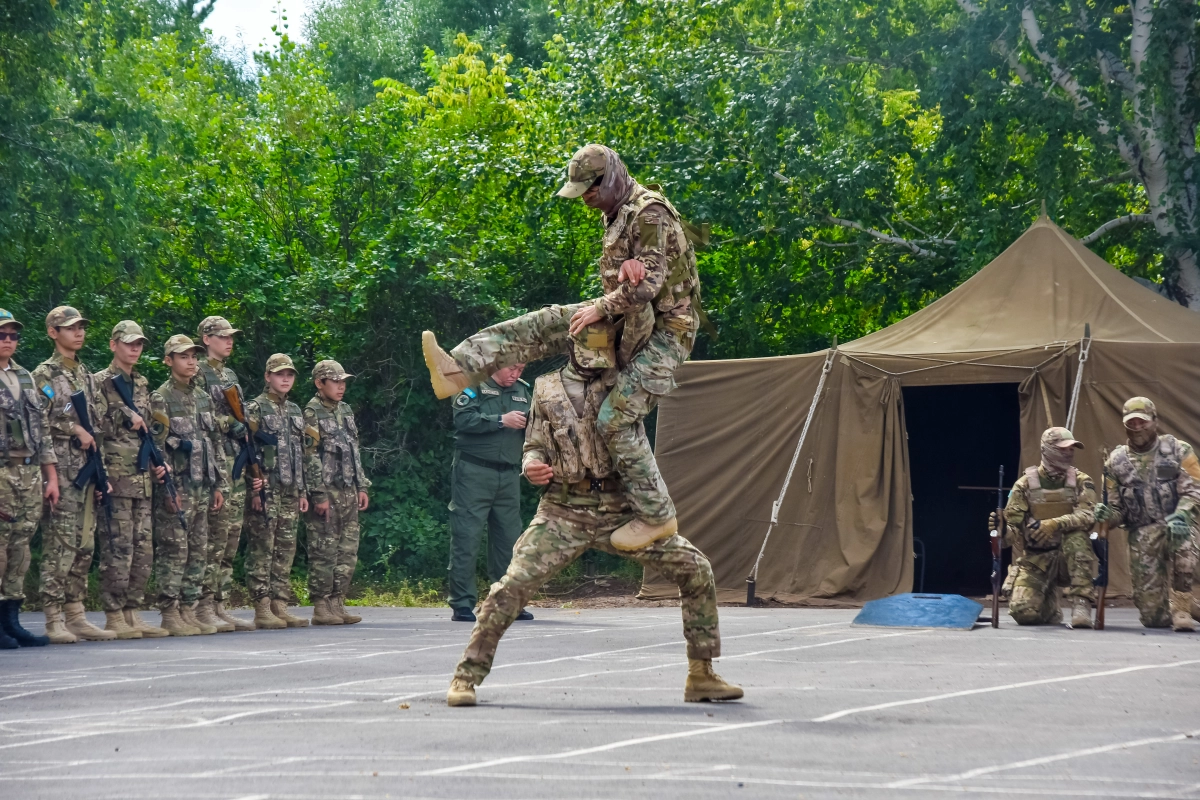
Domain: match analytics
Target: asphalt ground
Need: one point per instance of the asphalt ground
(589, 703)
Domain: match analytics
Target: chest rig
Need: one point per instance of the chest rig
(1149, 490)
(338, 446)
(216, 382)
(577, 451)
(190, 423)
(285, 459)
(1049, 503)
(20, 416)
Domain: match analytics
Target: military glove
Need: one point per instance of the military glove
(1103, 513)
(237, 430)
(1041, 531)
(1179, 527)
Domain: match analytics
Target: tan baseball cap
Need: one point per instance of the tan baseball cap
(1139, 408)
(1061, 437)
(215, 326)
(329, 370)
(6, 318)
(181, 343)
(585, 166)
(64, 316)
(279, 362)
(128, 331)
(595, 347)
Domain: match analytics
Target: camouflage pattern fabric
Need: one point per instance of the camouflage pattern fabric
(126, 554)
(180, 553)
(334, 474)
(1155, 567)
(21, 502)
(121, 443)
(224, 533)
(57, 378)
(68, 540)
(333, 543)
(271, 547)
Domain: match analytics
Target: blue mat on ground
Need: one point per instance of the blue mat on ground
(921, 611)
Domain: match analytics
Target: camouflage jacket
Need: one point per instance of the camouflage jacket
(284, 461)
(122, 443)
(185, 426)
(57, 378)
(24, 429)
(1146, 488)
(331, 456)
(1069, 499)
(214, 377)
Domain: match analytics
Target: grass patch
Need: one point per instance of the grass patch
(404, 594)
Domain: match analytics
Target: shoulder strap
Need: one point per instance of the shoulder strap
(1072, 477)
(1033, 479)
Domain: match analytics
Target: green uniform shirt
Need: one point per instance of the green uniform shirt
(478, 431)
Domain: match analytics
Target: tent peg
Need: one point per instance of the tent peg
(750, 583)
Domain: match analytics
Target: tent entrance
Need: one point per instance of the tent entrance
(958, 436)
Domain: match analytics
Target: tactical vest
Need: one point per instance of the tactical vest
(197, 430)
(216, 383)
(338, 447)
(285, 461)
(1050, 503)
(20, 416)
(58, 383)
(577, 451)
(1147, 499)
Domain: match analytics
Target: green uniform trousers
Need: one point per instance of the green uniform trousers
(271, 546)
(1039, 573)
(481, 496)
(333, 544)
(1155, 567)
(224, 532)
(68, 541)
(21, 504)
(126, 553)
(180, 553)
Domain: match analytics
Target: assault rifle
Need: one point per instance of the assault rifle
(997, 541)
(92, 470)
(148, 452)
(249, 456)
(1100, 545)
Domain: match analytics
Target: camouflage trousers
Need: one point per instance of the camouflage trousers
(180, 553)
(560, 534)
(1155, 567)
(68, 540)
(20, 512)
(271, 547)
(333, 544)
(1039, 573)
(126, 553)
(224, 532)
(639, 387)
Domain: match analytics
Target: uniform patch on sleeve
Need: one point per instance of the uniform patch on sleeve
(469, 392)
(48, 391)
(463, 399)
(648, 231)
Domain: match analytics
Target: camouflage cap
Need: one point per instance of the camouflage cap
(279, 362)
(6, 318)
(1061, 437)
(128, 331)
(595, 347)
(64, 316)
(329, 370)
(1139, 408)
(215, 326)
(181, 343)
(585, 166)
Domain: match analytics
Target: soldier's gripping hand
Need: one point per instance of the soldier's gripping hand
(50, 491)
(513, 419)
(218, 500)
(363, 501)
(1042, 531)
(538, 474)
(322, 509)
(994, 523)
(1103, 513)
(1179, 527)
(631, 270)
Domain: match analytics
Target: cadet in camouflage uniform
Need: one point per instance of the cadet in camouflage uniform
(27, 459)
(1153, 490)
(337, 491)
(271, 544)
(127, 542)
(185, 427)
(648, 272)
(68, 537)
(1049, 511)
(224, 525)
(584, 502)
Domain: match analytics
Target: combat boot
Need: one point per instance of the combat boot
(338, 604)
(1081, 613)
(1181, 611)
(704, 684)
(172, 622)
(279, 609)
(238, 624)
(56, 631)
(114, 621)
(78, 624)
(323, 614)
(204, 615)
(10, 621)
(264, 620)
(637, 533)
(147, 630)
(187, 612)
(447, 376)
(462, 693)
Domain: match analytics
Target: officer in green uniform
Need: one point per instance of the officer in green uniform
(489, 426)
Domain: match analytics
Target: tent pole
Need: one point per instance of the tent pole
(1085, 345)
(752, 579)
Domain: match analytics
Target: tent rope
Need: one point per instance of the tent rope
(978, 361)
(1085, 345)
(795, 457)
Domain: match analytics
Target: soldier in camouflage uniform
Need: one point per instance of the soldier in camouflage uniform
(27, 459)
(184, 425)
(271, 543)
(584, 502)
(1153, 490)
(127, 541)
(337, 491)
(225, 525)
(1049, 511)
(648, 272)
(68, 537)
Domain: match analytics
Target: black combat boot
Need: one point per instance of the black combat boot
(10, 622)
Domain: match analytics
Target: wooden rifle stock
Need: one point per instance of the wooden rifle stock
(251, 453)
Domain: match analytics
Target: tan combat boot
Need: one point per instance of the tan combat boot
(115, 621)
(187, 612)
(636, 534)
(704, 684)
(1081, 613)
(147, 630)
(78, 624)
(238, 624)
(173, 623)
(264, 620)
(280, 610)
(338, 603)
(323, 614)
(1181, 611)
(447, 376)
(462, 693)
(55, 630)
(205, 615)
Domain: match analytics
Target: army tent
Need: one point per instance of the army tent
(908, 415)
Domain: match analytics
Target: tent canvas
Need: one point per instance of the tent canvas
(726, 436)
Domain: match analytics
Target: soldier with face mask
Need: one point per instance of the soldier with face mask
(1049, 515)
(1154, 489)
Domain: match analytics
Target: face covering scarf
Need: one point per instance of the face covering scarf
(615, 185)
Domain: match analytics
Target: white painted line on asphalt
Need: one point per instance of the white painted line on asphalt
(1002, 688)
(823, 644)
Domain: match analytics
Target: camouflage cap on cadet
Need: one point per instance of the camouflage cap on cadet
(595, 347)
(1139, 408)
(128, 331)
(279, 362)
(6, 318)
(329, 370)
(586, 165)
(64, 316)
(181, 343)
(1061, 437)
(215, 326)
